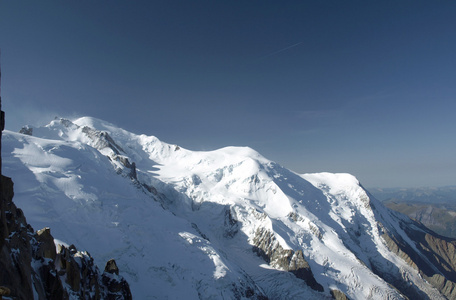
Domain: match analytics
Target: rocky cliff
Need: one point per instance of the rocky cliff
(432, 255)
(31, 267)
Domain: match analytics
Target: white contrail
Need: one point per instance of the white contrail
(278, 51)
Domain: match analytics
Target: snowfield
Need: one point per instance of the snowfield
(182, 224)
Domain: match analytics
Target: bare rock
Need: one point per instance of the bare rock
(31, 267)
(26, 130)
(267, 246)
(117, 286)
(16, 250)
(46, 246)
(111, 267)
(434, 256)
(338, 295)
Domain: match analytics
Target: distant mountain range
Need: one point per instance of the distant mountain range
(223, 224)
(434, 207)
(428, 195)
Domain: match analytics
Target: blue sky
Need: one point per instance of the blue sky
(364, 87)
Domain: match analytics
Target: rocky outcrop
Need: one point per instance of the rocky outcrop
(16, 250)
(31, 267)
(100, 139)
(4, 291)
(117, 286)
(26, 130)
(434, 256)
(46, 247)
(130, 166)
(231, 224)
(338, 295)
(267, 246)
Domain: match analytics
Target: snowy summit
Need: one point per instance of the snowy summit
(223, 224)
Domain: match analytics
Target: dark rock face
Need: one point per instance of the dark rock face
(100, 139)
(117, 286)
(30, 264)
(26, 130)
(111, 267)
(16, 251)
(46, 247)
(267, 246)
(231, 224)
(434, 256)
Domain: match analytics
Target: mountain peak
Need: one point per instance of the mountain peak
(195, 224)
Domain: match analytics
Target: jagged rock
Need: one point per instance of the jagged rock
(444, 249)
(150, 189)
(4, 291)
(26, 130)
(338, 295)
(231, 224)
(71, 268)
(117, 286)
(398, 247)
(46, 246)
(132, 173)
(200, 232)
(48, 282)
(31, 267)
(267, 246)
(111, 267)
(3, 225)
(126, 163)
(102, 139)
(446, 287)
(434, 256)
(16, 251)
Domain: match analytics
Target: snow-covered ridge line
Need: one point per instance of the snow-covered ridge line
(188, 221)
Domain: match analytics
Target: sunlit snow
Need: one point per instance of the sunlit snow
(167, 229)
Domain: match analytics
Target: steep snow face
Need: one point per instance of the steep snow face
(182, 224)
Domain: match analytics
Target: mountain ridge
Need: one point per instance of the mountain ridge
(435, 207)
(33, 265)
(437, 195)
(315, 235)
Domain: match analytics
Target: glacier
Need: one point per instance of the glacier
(222, 224)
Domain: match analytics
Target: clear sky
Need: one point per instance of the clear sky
(364, 87)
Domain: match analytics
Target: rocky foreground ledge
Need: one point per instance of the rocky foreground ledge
(32, 268)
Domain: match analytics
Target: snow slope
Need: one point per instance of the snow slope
(182, 224)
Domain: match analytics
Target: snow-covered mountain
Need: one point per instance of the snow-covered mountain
(223, 224)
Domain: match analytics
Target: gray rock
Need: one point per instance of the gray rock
(338, 295)
(111, 267)
(267, 246)
(26, 130)
(46, 246)
(29, 262)
(434, 256)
